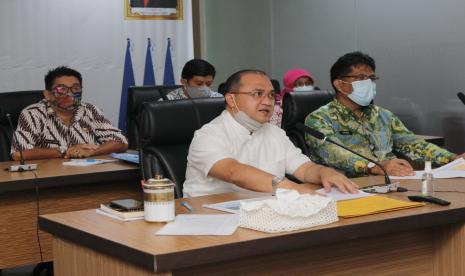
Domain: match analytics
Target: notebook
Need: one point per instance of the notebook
(120, 212)
(128, 157)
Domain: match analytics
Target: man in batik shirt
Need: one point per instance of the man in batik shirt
(62, 126)
(353, 120)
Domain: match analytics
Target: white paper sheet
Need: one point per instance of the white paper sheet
(199, 225)
(454, 169)
(339, 196)
(232, 206)
(436, 174)
(456, 165)
(86, 162)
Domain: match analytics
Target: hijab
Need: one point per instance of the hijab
(289, 79)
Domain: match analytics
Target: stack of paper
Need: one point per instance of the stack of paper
(119, 213)
(454, 169)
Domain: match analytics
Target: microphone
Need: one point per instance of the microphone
(157, 169)
(321, 136)
(21, 167)
(461, 97)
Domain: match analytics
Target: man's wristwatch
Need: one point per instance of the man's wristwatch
(63, 150)
(275, 182)
(370, 166)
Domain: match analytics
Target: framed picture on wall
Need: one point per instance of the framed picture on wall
(153, 9)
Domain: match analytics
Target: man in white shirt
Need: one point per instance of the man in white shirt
(241, 151)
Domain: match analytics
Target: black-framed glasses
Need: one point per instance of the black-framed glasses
(362, 77)
(259, 94)
(63, 90)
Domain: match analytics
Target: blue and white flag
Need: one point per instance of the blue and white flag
(149, 75)
(168, 78)
(128, 80)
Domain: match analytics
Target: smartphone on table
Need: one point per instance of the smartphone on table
(127, 204)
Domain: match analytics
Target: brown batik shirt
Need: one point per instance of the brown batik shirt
(40, 127)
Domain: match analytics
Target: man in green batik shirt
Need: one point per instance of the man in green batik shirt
(375, 132)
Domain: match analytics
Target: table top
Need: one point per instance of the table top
(52, 172)
(135, 241)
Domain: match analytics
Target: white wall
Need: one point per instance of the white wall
(418, 45)
(88, 35)
(237, 35)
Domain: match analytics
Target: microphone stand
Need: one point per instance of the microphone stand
(22, 166)
(386, 176)
(323, 137)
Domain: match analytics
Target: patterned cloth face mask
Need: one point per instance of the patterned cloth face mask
(62, 95)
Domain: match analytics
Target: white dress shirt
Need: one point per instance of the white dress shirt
(268, 149)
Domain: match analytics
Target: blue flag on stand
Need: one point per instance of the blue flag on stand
(128, 80)
(168, 78)
(149, 75)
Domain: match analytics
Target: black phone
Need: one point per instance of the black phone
(430, 199)
(127, 204)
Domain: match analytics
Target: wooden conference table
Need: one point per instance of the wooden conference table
(427, 240)
(60, 189)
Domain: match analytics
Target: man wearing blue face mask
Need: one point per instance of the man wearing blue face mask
(197, 78)
(62, 126)
(353, 120)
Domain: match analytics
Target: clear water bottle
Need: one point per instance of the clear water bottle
(427, 185)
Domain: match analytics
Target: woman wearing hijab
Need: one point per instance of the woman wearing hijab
(294, 80)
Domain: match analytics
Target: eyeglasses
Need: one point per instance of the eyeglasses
(362, 77)
(63, 90)
(259, 94)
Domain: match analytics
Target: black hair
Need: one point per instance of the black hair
(197, 67)
(233, 82)
(60, 71)
(344, 64)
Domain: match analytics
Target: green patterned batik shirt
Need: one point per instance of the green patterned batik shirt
(376, 135)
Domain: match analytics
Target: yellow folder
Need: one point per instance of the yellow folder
(372, 205)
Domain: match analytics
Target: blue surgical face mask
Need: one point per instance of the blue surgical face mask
(363, 92)
(303, 88)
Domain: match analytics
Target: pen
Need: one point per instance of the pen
(187, 206)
